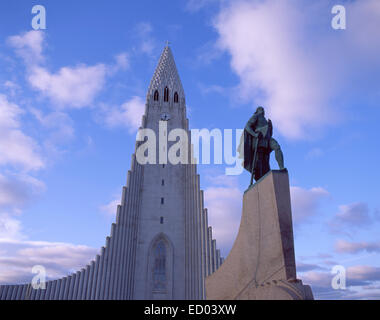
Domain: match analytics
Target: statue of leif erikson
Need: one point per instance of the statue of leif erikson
(257, 143)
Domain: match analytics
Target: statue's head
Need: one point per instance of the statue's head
(260, 110)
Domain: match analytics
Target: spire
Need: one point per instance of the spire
(166, 75)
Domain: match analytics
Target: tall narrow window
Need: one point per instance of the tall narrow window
(166, 94)
(155, 97)
(159, 268)
(162, 200)
(176, 97)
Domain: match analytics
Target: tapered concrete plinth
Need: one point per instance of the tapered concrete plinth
(261, 264)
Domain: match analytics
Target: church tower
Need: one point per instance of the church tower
(160, 246)
(173, 245)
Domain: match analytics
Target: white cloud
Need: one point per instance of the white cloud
(305, 202)
(28, 46)
(122, 61)
(19, 149)
(75, 86)
(270, 66)
(222, 180)
(320, 282)
(10, 228)
(70, 86)
(19, 256)
(16, 148)
(18, 155)
(290, 60)
(321, 279)
(128, 115)
(9, 113)
(111, 207)
(224, 203)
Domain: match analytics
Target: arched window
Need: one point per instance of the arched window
(155, 97)
(159, 267)
(166, 94)
(176, 97)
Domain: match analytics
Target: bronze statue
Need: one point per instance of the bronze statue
(258, 144)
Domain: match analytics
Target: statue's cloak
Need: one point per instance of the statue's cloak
(247, 144)
(246, 150)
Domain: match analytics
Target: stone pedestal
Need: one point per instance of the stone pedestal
(261, 264)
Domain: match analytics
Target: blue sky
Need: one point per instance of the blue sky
(71, 99)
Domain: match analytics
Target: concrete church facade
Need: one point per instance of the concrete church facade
(161, 245)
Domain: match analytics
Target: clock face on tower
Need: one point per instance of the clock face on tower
(165, 116)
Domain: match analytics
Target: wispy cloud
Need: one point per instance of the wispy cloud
(17, 149)
(143, 32)
(196, 5)
(358, 278)
(17, 189)
(12, 87)
(350, 217)
(303, 267)
(10, 228)
(128, 115)
(111, 207)
(314, 153)
(343, 246)
(208, 53)
(122, 61)
(306, 202)
(58, 123)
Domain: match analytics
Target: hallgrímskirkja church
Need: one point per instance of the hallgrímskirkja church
(160, 246)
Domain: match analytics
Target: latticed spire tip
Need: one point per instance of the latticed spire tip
(166, 74)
